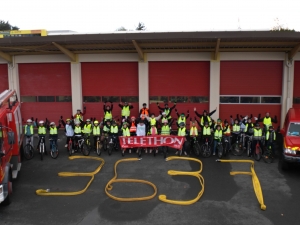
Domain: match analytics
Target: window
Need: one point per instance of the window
(250, 99)
(91, 98)
(198, 99)
(111, 99)
(159, 99)
(130, 99)
(229, 99)
(179, 99)
(296, 100)
(28, 98)
(294, 129)
(46, 98)
(63, 99)
(270, 99)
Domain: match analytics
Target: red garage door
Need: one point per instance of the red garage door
(184, 82)
(296, 96)
(113, 81)
(3, 77)
(45, 90)
(250, 87)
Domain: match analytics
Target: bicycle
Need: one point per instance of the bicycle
(237, 148)
(205, 149)
(219, 148)
(249, 144)
(82, 146)
(268, 154)
(42, 146)
(70, 148)
(28, 150)
(196, 146)
(112, 144)
(257, 151)
(53, 149)
(98, 146)
(105, 141)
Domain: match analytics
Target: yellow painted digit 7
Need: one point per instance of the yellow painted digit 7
(72, 174)
(183, 173)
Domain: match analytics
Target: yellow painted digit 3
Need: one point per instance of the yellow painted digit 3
(44, 192)
(183, 173)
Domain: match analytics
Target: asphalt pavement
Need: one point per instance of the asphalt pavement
(226, 200)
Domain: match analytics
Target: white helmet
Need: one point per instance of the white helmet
(29, 121)
(52, 123)
(88, 120)
(41, 122)
(77, 122)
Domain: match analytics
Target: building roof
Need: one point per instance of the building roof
(152, 42)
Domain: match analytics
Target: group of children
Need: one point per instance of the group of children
(148, 124)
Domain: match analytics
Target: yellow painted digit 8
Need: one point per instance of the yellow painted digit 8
(109, 186)
(182, 173)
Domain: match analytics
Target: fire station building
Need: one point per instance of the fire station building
(237, 72)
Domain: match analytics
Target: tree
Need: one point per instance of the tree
(6, 26)
(141, 26)
(121, 29)
(280, 27)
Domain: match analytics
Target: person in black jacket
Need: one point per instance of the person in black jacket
(167, 110)
(205, 117)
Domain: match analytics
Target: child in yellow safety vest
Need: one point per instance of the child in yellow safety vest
(236, 129)
(182, 132)
(217, 137)
(182, 117)
(152, 132)
(53, 133)
(28, 131)
(193, 133)
(125, 109)
(107, 111)
(257, 136)
(125, 133)
(96, 133)
(153, 120)
(42, 133)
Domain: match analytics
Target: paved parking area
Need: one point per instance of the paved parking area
(226, 200)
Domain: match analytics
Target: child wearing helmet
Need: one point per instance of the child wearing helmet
(270, 139)
(182, 132)
(205, 117)
(87, 128)
(152, 132)
(217, 137)
(193, 132)
(125, 133)
(28, 131)
(206, 132)
(96, 133)
(153, 120)
(236, 128)
(182, 117)
(69, 130)
(53, 132)
(41, 132)
(114, 133)
(257, 135)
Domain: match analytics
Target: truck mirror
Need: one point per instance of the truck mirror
(11, 137)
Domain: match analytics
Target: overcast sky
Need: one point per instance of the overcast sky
(157, 15)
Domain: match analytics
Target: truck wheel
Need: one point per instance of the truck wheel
(7, 200)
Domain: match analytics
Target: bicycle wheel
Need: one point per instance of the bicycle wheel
(220, 151)
(165, 151)
(225, 149)
(205, 151)
(105, 144)
(110, 148)
(140, 152)
(54, 152)
(85, 149)
(196, 149)
(248, 149)
(237, 149)
(41, 151)
(257, 153)
(28, 152)
(98, 150)
(70, 148)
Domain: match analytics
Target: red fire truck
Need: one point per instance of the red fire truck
(11, 137)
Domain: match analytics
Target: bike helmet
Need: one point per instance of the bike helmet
(88, 120)
(77, 122)
(163, 113)
(271, 127)
(133, 117)
(52, 123)
(205, 123)
(257, 124)
(29, 121)
(165, 121)
(182, 114)
(218, 126)
(219, 120)
(68, 120)
(96, 122)
(41, 122)
(113, 122)
(125, 124)
(182, 124)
